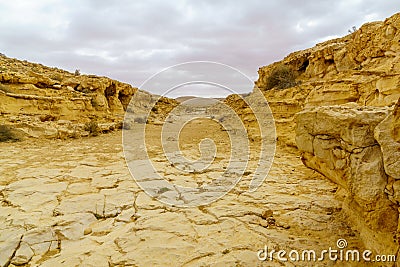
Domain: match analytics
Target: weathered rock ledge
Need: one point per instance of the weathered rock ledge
(353, 146)
(44, 102)
(362, 68)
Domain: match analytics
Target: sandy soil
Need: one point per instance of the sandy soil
(74, 203)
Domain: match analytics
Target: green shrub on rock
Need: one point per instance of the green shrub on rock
(281, 77)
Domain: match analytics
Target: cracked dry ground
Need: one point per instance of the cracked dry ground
(74, 203)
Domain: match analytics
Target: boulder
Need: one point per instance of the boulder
(339, 142)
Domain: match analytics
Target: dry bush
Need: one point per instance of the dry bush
(47, 117)
(8, 135)
(281, 77)
(94, 102)
(140, 120)
(93, 128)
(57, 76)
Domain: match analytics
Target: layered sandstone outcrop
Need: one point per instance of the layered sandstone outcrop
(362, 67)
(347, 123)
(339, 142)
(396, 123)
(58, 91)
(53, 103)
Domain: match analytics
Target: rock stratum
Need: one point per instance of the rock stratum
(361, 68)
(343, 117)
(46, 102)
(353, 147)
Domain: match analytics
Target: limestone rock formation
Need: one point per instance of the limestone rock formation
(396, 123)
(339, 142)
(362, 67)
(53, 103)
(355, 144)
(58, 91)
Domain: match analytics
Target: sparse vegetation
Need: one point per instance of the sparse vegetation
(281, 77)
(94, 102)
(57, 76)
(47, 117)
(75, 134)
(93, 128)
(140, 120)
(8, 135)
(352, 30)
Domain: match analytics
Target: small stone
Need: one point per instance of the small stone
(23, 255)
(87, 231)
(266, 214)
(283, 225)
(271, 221)
(225, 251)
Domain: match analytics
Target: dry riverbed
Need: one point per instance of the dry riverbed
(74, 203)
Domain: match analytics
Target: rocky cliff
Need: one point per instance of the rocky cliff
(48, 102)
(362, 67)
(340, 112)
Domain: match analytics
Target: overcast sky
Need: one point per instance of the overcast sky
(131, 40)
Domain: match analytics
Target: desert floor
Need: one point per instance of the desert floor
(74, 203)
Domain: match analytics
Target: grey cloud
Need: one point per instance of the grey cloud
(131, 40)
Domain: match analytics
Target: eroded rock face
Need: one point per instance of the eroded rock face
(37, 99)
(356, 144)
(339, 142)
(386, 134)
(361, 68)
(390, 147)
(67, 94)
(396, 123)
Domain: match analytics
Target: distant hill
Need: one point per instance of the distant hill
(194, 101)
